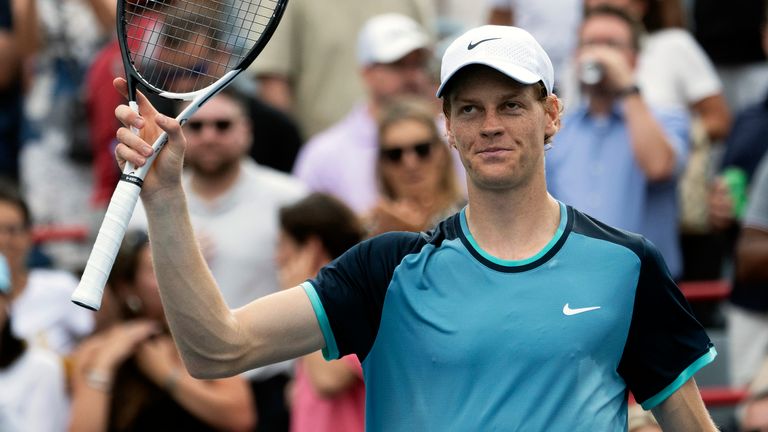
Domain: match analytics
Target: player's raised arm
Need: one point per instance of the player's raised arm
(214, 341)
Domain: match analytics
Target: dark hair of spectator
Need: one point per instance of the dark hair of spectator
(325, 217)
(11, 194)
(635, 27)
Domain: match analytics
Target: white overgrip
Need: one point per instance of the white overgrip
(91, 288)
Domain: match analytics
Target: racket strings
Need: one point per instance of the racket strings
(185, 46)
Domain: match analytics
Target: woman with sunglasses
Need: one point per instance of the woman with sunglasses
(417, 182)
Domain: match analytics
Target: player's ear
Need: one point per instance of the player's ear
(449, 136)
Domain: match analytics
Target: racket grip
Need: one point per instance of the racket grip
(91, 288)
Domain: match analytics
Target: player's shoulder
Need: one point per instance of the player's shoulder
(596, 229)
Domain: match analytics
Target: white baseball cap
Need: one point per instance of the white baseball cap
(510, 50)
(389, 37)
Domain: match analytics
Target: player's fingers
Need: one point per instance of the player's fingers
(173, 129)
(128, 117)
(145, 107)
(130, 150)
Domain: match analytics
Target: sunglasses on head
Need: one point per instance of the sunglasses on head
(219, 125)
(395, 155)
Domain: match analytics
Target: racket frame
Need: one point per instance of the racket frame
(90, 290)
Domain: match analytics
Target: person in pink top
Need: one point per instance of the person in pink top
(327, 395)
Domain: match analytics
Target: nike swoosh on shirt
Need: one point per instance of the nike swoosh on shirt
(472, 45)
(568, 311)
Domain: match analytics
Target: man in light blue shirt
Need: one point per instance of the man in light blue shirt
(615, 158)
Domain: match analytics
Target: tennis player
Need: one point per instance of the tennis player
(519, 313)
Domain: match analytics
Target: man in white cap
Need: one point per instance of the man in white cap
(308, 69)
(393, 54)
(518, 313)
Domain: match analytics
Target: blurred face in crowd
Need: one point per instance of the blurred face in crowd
(412, 159)
(609, 32)
(407, 76)
(15, 236)
(218, 136)
(608, 40)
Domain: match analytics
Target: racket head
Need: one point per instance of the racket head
(180, 48)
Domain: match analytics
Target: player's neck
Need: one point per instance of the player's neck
(515, 226)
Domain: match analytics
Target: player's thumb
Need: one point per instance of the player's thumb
(176, 140)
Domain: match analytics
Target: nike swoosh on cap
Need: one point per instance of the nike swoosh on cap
(472, 45)
(568, 311)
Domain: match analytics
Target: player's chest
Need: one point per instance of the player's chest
(548, 312)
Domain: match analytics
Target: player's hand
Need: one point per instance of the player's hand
(166, 170)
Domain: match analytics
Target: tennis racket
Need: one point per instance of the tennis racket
(181, 50)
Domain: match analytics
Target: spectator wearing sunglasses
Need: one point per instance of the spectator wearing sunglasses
(393, 53)
(417, 183)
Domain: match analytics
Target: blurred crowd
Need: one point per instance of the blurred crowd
(333, 135)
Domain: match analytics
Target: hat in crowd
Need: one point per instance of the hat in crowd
(510, 50)
(389, 37)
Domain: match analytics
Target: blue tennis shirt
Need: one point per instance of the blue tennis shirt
(451, 338)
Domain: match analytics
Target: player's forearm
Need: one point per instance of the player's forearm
(205, 330)
(650, 145)
(684, 411)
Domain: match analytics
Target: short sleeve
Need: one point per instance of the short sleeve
(757, 207)
(666, 345)
(348, 294)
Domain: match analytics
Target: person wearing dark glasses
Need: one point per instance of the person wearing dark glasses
(418, 186)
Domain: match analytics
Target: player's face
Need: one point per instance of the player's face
(15, 237)
(411, 159)
(498, 127)
(218, 137)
